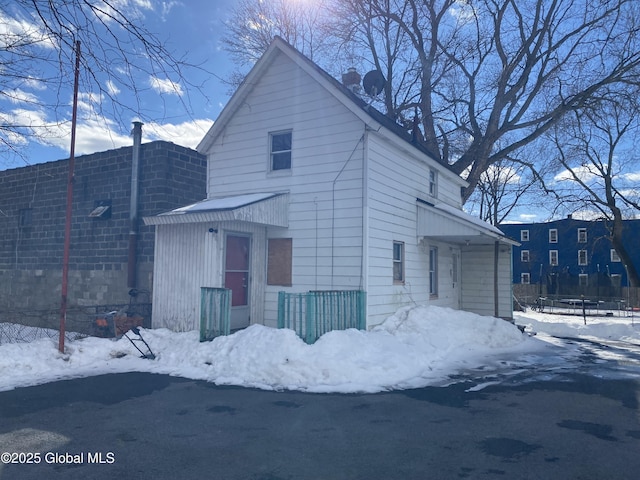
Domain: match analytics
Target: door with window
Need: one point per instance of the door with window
(237, 270)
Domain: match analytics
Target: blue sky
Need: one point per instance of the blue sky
(192, 29)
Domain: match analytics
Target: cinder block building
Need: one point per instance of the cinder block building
(111, 250)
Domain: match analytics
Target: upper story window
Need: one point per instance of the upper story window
(280, 150)
(582, 235)
(433, 182)
(524, 235)
(582, 257)
(553, 258)
(553, 235)
(614, 255)
(398, 262)
(524, 256)
(525, 277)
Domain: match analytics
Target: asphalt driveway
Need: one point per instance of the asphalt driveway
(144, 426)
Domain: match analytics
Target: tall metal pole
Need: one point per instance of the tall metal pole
(67, 226)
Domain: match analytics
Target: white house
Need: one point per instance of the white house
(309, 188)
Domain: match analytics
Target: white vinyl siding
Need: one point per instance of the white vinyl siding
(325, 181)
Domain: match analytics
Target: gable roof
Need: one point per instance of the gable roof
(364, 111)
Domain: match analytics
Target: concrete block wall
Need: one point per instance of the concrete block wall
(32, 218)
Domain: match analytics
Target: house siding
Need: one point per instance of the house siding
(395, 181)
(324, 183)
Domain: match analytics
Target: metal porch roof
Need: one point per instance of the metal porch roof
(262, 208)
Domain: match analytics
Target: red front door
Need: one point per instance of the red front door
(236, 277)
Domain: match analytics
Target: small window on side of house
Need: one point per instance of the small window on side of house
(525, 278)
(433, 183)
(279, 261)
(582, 235)
(553, 235)
(433, 271)
(280, 150)
(524, 235)
(553, 258)
(583, 279)
(582, 257)
(614, 256)
(524, 256)
(398, 262)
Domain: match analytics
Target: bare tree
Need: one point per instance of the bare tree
(254, 23)
(495, 75)
(597, 151)
(37, 47)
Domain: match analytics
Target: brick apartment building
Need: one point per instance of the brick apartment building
(103, 267)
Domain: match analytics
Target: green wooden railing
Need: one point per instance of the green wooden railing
(312, 314)
(215, 312)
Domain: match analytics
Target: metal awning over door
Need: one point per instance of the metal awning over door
(448, 224)
(262, 208)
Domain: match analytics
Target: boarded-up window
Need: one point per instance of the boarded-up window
(279, 262)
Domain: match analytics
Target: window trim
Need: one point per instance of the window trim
(583, 261)
(524, 235)
(523, 254)
(551, 255)
(433, 182)
(398, 261)
(433, 272)
(581, 277)
(527, 276)
(613, 254)
(582, 230)
(272, 135)
(553, 235)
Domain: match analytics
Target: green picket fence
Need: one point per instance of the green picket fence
(215, 312)
(312, 314)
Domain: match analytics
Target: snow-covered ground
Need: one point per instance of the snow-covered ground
(416, 347)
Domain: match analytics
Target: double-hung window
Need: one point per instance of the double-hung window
(553, 258)
(582, 257)
(398, 262)
(280, 150)
(582, 235)
(433, 271)
(553, 235)
(433, 183)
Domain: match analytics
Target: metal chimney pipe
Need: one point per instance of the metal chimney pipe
(133, 209)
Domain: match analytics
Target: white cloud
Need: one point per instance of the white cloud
(21, 34)
(188, 134)
(528, 217)
(20, 96)
(582, 172)
(165, 86)
(632, 177)
(112, 88)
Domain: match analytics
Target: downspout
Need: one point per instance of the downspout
(496, 251)
(133, 209)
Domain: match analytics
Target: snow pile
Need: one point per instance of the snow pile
(417, 346)
(618, 327)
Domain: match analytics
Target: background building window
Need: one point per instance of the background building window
(279, 262)
(280, 150)
(525, 278)
(524, 235)
(583, 279)
(433, 271)
(553, 258)
(582, 257)
(553, 235)
(582, 235)
(398, 262)
(614, 255)
(524, 256)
